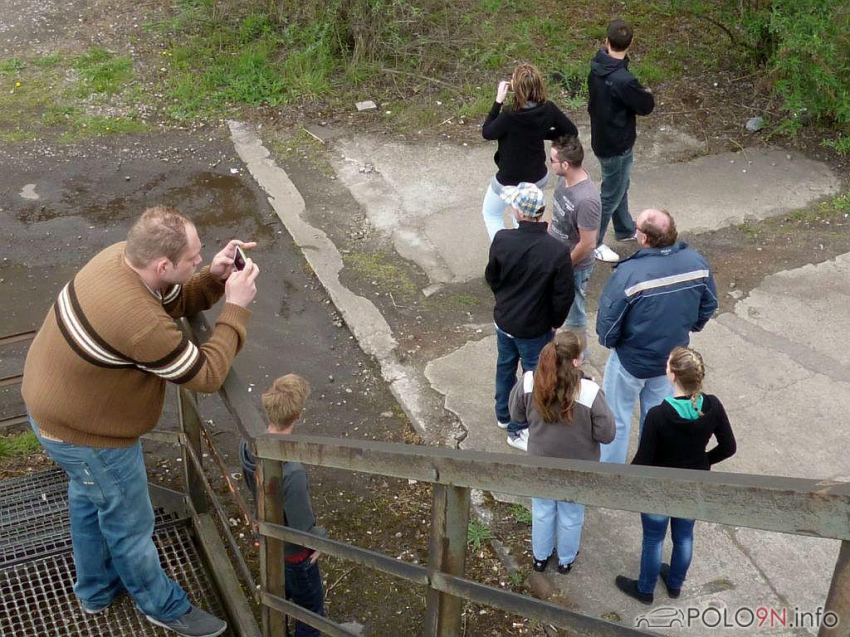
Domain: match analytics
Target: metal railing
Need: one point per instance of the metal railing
(772, 503)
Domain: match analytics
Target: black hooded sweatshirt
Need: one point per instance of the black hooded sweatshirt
(614, 98)
(669, 440)
(521, 155)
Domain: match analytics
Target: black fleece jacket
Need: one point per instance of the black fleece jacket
(668, 440)
(521, 155)
(531, 276)
(614, 98)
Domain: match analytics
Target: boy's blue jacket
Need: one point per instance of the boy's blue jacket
(651, 303)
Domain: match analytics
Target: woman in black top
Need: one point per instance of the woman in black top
(676, 434)
(520, 131)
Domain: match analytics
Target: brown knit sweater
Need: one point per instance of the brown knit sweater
(95, 374)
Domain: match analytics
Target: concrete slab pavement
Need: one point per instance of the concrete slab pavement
(776, 361)
(427, 198)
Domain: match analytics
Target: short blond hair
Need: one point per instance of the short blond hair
(159, 232)
(284, 400)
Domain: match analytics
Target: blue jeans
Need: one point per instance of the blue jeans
(304, 587)
(577, 318)
(616, 176)
(512, 351)
(622, 391)
(551, 519)
(654, 532)
(493, 208)
(111, 527)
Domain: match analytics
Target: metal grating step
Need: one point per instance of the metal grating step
(37, 541)
(33, 485)
(37, 598)
(16, 511)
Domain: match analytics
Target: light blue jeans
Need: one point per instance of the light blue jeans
(622, 391)
(493, 207)
(553, 519)
(614, 192)
(654, 532)
(111, 527)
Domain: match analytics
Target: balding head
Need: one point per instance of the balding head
(656, 228)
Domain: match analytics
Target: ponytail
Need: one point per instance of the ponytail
(557, 380)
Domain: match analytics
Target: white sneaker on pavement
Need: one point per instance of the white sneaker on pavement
(519, 440)
(502, 425)
(606, 254)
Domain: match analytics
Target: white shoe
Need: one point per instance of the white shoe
(606, 254)
(502, 425)
(519, 440)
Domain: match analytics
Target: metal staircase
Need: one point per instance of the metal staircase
(37, 566)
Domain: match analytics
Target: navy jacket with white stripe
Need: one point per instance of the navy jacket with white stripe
(651, 304)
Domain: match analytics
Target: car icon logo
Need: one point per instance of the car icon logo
(661, 617)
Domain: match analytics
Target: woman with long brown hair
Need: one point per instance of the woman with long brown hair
(676, 434)
(567, 418)
(520, 131)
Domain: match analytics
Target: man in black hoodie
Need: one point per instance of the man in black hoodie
(615, 97)
(531, 275)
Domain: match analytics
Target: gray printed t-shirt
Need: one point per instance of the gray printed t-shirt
(575, 207)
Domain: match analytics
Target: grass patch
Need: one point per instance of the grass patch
(378, 270)
(87, 126)
(19, 445)
(477, 533)
(11, 66)
(520, 514)
(102, 72)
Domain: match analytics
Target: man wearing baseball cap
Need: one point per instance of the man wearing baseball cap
(531, 275)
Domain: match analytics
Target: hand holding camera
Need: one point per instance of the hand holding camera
(502, 91)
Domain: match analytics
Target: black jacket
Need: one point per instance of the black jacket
(521, 155)
(668, 440)
(614, 98)
(531, 276)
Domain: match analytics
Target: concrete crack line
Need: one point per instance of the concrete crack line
(806, 357)
(366, 322)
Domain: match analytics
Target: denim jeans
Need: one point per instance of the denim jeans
(111, 527)
(493, 207)
(654, 532)
(616, 176)
(512, 351)
(577, 318)
(622, 391)
(304, 587)
(552, 519)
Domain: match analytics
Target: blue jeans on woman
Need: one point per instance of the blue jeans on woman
(111, 529)
(556, 522)
(654, 532)
(614, 192)
(494, 207)
(512, 351)
(304, 587)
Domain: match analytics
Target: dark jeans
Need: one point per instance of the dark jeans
(616, 177)
(304, 587)
(654, 532)
(512, 351)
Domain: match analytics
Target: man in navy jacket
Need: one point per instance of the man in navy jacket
(531, 275)
(615, 97)
(650, 305)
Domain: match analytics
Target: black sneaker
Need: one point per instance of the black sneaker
(195, 623)
(665, 573)
(629, 587)
(563, 569)
(540, 565)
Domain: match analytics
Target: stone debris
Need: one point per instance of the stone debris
(368, 105)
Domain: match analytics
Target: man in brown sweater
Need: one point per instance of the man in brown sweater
(94, 381)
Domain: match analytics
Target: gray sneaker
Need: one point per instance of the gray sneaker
(195, 623)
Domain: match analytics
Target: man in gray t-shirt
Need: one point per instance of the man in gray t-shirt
(576, 213)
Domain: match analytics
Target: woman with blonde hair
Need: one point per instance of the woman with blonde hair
(676, 434)
(520, 131)
(567, 418)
